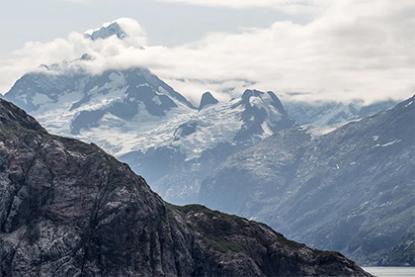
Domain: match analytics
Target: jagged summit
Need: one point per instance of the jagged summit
(106, 31)
(262, 115)
(207, 100)
(250, 94)
(276, 102)
(125, 29)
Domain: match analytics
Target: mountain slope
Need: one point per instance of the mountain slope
(140, 119)
(60, 96)
(180, 151)
(68, 208)
(351, 190)
(322, 117)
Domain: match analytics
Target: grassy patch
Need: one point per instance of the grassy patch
(223, 245)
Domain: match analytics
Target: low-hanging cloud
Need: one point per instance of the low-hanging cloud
(355, 49)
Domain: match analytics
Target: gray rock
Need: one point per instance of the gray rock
(113, 29)
(207, 100)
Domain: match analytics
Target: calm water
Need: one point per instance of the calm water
(391, 271)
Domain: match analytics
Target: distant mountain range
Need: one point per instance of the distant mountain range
(70, 209)
(142, 120)
(350, 189)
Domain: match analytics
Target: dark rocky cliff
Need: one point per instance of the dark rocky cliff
(69, 209)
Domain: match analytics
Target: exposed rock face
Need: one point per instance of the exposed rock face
(207, 100)
(175, 166)
(69, 209)
(113, 29)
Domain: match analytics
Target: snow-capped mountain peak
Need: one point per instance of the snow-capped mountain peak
(134, 115)
(69, 102)
(262, 115)
(112, 29)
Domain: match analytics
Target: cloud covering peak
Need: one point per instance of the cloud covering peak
(351, 50)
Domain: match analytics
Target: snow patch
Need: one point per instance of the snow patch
(40, 99)
(388, 143)
(255, 101)
(156, 100)
(267, 130)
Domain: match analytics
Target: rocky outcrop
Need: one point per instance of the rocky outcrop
(70, 209)
(207, 100)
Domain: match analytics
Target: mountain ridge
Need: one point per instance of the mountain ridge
(75, 210)
(349, 190)
(180, 148)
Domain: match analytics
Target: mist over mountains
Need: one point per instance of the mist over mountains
(333, 174)
(250, 155)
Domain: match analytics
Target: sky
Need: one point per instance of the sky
(306, 49)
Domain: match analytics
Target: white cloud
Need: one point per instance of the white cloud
(354, 49)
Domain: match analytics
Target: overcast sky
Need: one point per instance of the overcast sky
(166, 22)
(325, 49)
